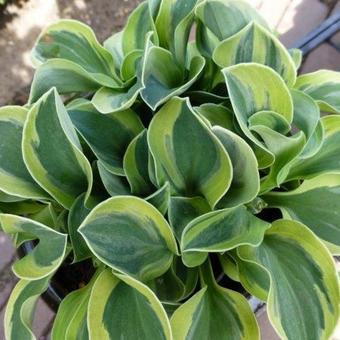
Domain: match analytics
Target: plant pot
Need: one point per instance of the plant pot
(70, 277)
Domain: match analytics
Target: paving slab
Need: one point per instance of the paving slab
(267, 331)
(323, 57)
(336, 38)
(7, 251)
(301, 17)
(43, 320)
(7, 282)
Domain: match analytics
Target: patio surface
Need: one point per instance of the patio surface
(293, 19)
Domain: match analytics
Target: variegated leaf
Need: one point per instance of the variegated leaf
(160, 199)
(307, 119)
(138, 25)
(136, 165)
(296, 55)
(121, 307)
(246, 180)
(21, 307)
(173, 23)
(71, 318)
(253, 278)
(315, 203)
(176, 284)
(248, 97)
(285, 149)
(303, 299)
(323, 86)
(164, 78)
(67, 76)
(255, 44)
(46, 256)
(214, 313)
(182, 210)
(131, 236)
(115, 185)
(76, 216)
(271, 120)
(217, 115)
(219, 231)
(226, 17)
(326, 159)
(173, 136)
(108, 100)
(15, 180)
(74, 41)
(52, 152)
(112, 135)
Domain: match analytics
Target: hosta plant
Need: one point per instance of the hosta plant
(181, 156)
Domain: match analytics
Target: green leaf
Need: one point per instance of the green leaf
(183, 210)
(70, 321)
(326, 159)
(115, 185)
(52, 152)
(76, 216)
(323, 86)
(131, 236)
(123, 125)
(214, 313)
(160, 199)
(245, 184)
(187, 154)
(164, 78)
(314, 203)
(68, 77)
(74, 41)
(136, 165)
(15, 180)
(248, 97)
(21, 307)
(46, 256)
(303, 299)
(255, 44)
(285, 149)
(224, 18)
(121, 307)
(219, 231)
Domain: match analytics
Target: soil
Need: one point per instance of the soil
(21, 22)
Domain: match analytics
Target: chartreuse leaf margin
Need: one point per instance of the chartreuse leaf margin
(184, 153)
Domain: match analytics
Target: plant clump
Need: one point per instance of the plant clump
(176, 166)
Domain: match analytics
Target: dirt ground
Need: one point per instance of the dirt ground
(22, 21)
